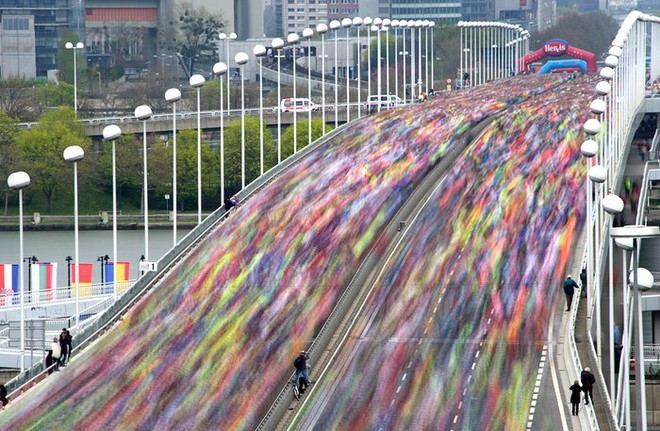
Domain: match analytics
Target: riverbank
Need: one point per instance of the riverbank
(37, 222)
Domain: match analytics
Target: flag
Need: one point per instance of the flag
(8, 282)
(85, 279)
(43, 280)
(122, 275)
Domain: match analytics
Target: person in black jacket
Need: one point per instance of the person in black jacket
(302, 371)
(576, 390)
(588, 381)
(3, 395)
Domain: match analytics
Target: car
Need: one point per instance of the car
(298, 104)
(382, 101)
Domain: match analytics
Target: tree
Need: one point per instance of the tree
(195, 37)
(187, 168)
(302, 135)
(15, 98)
(40, 149)
(252, 153)
(590, 31)
(128, 160)
(65, 58)
(8, 133)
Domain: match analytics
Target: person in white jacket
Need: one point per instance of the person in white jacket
(57, 353)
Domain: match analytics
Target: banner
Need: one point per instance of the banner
(43, 280)
(85, 279)
(8, 282)
(122, 275)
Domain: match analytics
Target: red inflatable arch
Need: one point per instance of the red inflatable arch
(557, 48)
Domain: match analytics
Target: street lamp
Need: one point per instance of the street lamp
(111, 133)
(226, 39)
(74, 154)
(73, 47)
(357, 22)
(395, 25)
(376, 28)
(432, 25)
(322, 29)
(219, 70)
(143, 113)
(259, 51)
(347, 23)
(172, 96)
(18, 181)
(623, 398)
(307, 34)
(367, 21)
(386, 27)
(637, 232)
(335, 25)
(277, 45)
(293, 39)
(613, 205)
(241, 59)
(197, 81)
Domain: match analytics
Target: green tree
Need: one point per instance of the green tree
(54, 95)
(252, 153)
(128, 160)
(302, 135)
(65, 59)
(195, 37)
(187, 169)
(40, 149)
(8, 133)
(591, 31)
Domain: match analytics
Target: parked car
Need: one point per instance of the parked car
(298, 104)
(384, 101)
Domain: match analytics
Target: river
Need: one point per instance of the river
(55, 246)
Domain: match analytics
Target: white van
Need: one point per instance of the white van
(299, 105)
(384, 101)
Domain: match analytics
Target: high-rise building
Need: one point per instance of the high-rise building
(243, 17)
(31, 32)
(338, 9)
(434, 10)
(300, 14)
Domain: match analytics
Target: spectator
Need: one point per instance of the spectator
(583, 282)
(65, 344)
(575, 389)
(49, 361)
(57, 353)
(588, 381)
(569, 289)
(3, 395)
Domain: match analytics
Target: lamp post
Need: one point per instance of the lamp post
(598, 174)
(18, 181)
(418, 25)
(293, 39)
(226, 39)
(623, 399)
(74, 154)
(395, 25)
(613, 205)
(386, 28)
(637, 232)
(220, 69)
(347, 23)
(102, 259)
(432, 26)
(197, 81)
(277, 45)
(357, 22)
(241, 59)
(377, 27)
(259, 51)
(143, 113)
(68, 260)
(111, 133)
(335, 25)
(322, 29)
(307, 34)
(367, 21)
(75, 47)
(172, 96)
(589, 149)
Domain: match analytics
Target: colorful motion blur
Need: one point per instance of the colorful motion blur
(214, 343)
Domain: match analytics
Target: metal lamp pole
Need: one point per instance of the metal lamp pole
(322, 29)
(241, 59)
(368, 22)
(386, 27)
(18, 181)
(259, 51)
(172, 96)
(197, 81)
(111, 133)
(143, 113)
(347, 23)
(307, 34)
(335, 25)
(74, 154)
(220, 69)
(293, 39)
(277, 45)
(75, 47)
(357, 22)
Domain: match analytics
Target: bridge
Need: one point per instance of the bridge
(332, 260)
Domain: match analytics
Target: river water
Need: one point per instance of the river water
(55, 246)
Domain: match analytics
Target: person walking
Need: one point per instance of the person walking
(64, 346)
(588, 380)
(576, 391)
(57, 353)
(569, 289)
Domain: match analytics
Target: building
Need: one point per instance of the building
(434, 10)
(243, 17)
(338, 9)
(31, 32)
(300, 14)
